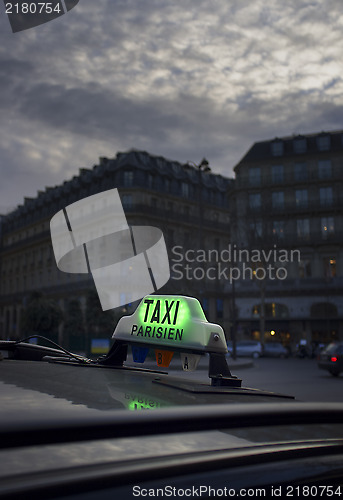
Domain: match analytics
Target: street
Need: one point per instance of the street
(297, 377)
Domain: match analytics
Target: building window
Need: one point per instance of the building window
(271, 310)
(299, 145)
(255, 201)
(127, 201)
(204, 304)
(301, 198)
(128, 178)
(154, 202)
(305, 270)
(220, 198)
(277, 173)
(184, 189)
(327, 226)
(255, 176)
(278, 229)
(259, 229)
(325, 196)
(323, 142)
(324, 169)
(300, 172)
(256, 310)
(277, 148)
(278, 199)
(220, 308)
(167, 184)
(303, 229)
(256, 229)
(329, 264)
(143, 157)
(150, 181)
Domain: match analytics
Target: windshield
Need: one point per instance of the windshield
(170, 205)
(334, 348)
(107, 196)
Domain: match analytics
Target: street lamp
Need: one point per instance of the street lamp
(203, 166)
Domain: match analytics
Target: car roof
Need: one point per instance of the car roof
(59, 386)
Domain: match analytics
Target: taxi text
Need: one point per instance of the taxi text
(157, 332)
(158, 315)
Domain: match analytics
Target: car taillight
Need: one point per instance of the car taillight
(333, 359)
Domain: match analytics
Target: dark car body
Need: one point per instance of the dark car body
(331, 358)
(78, 430)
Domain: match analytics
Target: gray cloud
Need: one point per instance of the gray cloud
(184, 80)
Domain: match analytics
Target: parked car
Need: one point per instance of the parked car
(331, 358)
(275, 350)
(248, 348)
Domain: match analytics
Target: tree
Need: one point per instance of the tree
(99, 323)
(74, 330)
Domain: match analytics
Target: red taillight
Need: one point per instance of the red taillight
(334, 359)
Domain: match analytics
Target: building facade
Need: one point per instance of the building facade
(288, 202)
(263, 252)
(188, 203)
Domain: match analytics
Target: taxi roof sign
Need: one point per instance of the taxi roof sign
(171, 322)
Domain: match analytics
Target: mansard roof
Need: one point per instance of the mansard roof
(133, 159)
(286, 147)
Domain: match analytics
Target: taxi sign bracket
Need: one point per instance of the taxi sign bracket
(219, 372)
(116, 355)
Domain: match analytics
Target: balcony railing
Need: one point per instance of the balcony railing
(313, 205)
(286, 240)
(170, 216)
(243, 181)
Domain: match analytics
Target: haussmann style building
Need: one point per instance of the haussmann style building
(288, 201)
(262, 252)
(188, 202)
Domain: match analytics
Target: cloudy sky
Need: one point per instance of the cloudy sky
(178, 78)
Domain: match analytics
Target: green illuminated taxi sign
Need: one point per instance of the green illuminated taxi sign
(160, 311)
(161, 319)
(172, 322)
